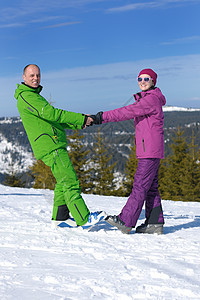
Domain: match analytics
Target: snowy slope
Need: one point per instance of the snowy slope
(41, 263)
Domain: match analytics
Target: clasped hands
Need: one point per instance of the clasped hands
(94, 119)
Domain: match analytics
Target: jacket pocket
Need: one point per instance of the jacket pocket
(46, 135)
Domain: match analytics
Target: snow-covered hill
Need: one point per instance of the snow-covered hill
(169, 108)
(13, 157)
(38, 262)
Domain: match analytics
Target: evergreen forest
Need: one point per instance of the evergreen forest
(93, 155)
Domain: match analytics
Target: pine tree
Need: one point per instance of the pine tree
(130, 169)
(191, 180)
(78, 156)
(162, 177)
(13, 180)
(103, 172)
(43, 176)
(176, 168)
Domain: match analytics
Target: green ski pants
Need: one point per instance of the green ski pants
(67, 193)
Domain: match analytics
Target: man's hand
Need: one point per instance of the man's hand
(87, 122)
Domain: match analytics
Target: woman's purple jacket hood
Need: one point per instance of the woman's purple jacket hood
(148, 120)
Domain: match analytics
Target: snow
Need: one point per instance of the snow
(38, 262)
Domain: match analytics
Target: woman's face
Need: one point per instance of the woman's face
(145, 84)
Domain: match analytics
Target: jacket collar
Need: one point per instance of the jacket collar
(37, 90)
(139, 95)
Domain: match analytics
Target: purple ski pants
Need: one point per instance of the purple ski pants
(145, 189)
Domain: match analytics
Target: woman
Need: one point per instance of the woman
(149, 138)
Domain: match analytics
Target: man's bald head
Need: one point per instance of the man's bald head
(30, 65)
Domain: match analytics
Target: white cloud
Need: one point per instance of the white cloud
(183, 40)
(147, 5)
(11, 25)
(95, 87)
(27, 8)
(134, 6)
(195, 99)
(103, 87)
(46, 19)
(37, 12)
(62, 24)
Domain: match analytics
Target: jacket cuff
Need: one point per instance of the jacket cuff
(84, 123)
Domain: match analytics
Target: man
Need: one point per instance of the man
(45, 126)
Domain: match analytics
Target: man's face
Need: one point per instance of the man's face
(32, 76)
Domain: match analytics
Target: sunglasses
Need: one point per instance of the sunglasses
(146, 79)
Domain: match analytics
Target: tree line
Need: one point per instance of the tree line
(179, 175)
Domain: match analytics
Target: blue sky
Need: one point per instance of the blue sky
(90, 51)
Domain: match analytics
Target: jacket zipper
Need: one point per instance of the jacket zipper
(143, 145)
(54, 133)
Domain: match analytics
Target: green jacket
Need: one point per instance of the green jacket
(43, 123)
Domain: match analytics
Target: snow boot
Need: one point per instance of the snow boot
(150, 228)
(93, 219)
(70, 223)
(117, 222)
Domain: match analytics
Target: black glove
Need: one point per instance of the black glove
(98, 118)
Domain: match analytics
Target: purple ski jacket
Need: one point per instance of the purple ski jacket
(148, 120)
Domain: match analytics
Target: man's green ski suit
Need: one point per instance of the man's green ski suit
(45, 126)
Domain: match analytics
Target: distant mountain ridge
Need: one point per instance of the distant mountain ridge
(16, 152)
(169, 108)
